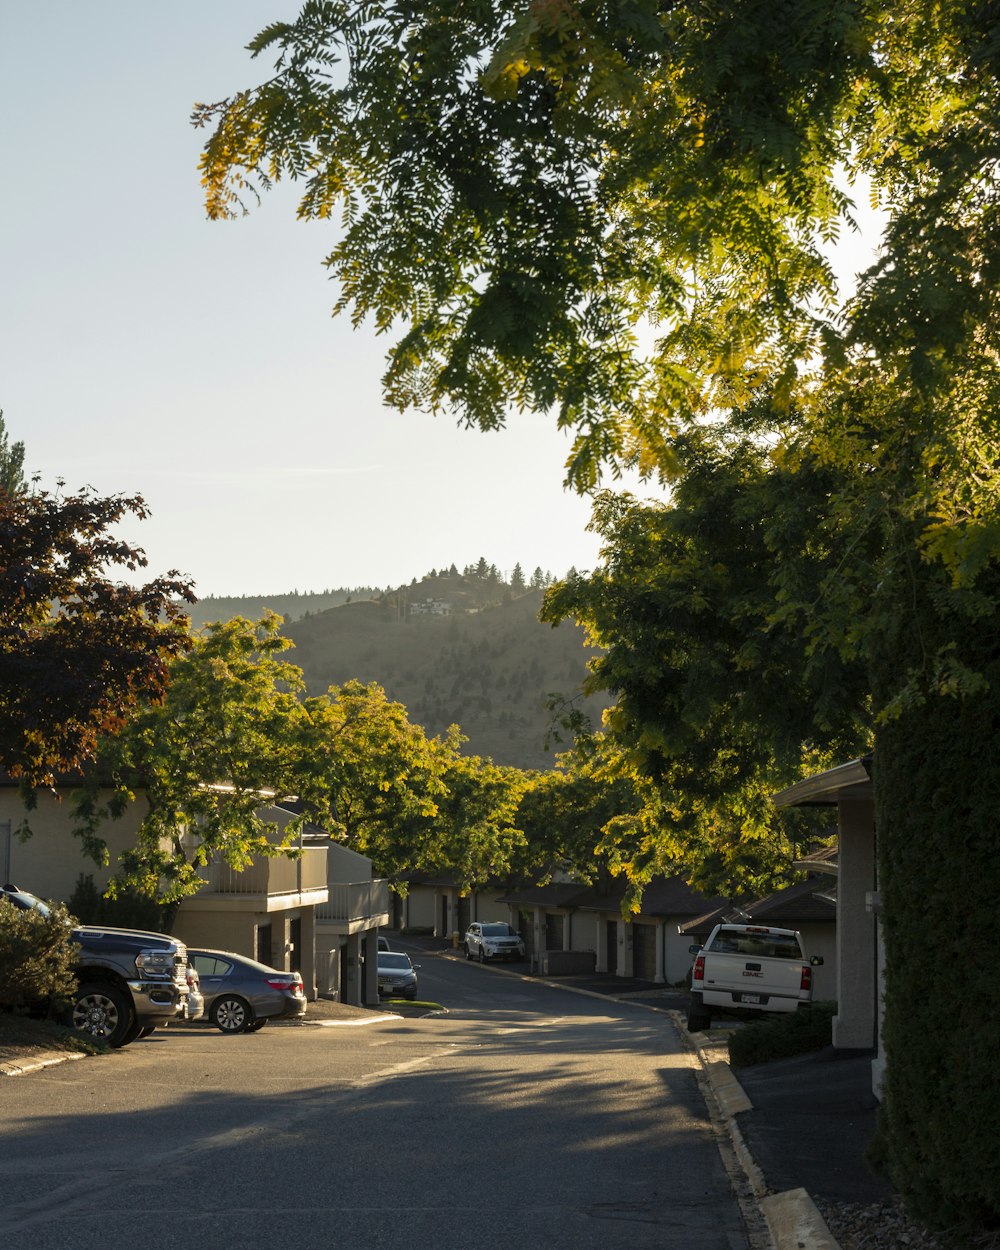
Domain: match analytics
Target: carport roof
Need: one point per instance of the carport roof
(845, 782)
(808, 901)
(555, 894)
(663, 896)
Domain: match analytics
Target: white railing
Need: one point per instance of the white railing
(355, 900)
(280, 875)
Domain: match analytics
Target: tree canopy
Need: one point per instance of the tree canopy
(233, 733)
(80, 650)
(616, 211)
(525, 189)
(12, 480)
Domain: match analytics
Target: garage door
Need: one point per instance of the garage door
(644, 951)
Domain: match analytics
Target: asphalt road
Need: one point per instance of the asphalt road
(526, 1116)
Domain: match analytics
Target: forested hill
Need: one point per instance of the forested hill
(290, 604)
(488, 669)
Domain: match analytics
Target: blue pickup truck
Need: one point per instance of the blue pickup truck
(128, 981)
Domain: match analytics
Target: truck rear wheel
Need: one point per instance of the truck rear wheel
(103, 1011)
(697, 1017)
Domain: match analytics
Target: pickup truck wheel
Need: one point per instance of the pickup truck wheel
(232, 1014)
(104, 1012)
(697, 1017)
(133, 1034)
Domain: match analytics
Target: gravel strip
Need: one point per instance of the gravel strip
(880, 1226)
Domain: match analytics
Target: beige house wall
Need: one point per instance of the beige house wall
(50, 862)
(420, 907)
(854, 1026)
(821, 939)
(677, 959)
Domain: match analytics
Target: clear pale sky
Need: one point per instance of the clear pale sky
(145, 349)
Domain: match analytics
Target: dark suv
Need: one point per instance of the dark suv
(128, 981)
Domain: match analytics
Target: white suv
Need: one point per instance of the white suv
(494, 940)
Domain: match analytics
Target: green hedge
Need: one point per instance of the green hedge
(779, 1037)
(937, 786)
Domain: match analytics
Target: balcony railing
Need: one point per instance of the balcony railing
(355, 900)
(272, 876)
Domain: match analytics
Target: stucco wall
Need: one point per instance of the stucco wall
(855, 1024)
(821, 939)
(219, 930)
(420, 907)
(51, 860)
(677, 958)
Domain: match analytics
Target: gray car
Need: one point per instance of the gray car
(397, 977)
(241, 995)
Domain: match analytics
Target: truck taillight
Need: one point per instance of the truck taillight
(699, 969)
(807, 978)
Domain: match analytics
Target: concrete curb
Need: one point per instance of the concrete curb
(356, 1023)
(794, 1222)
(48, 1060)
(792, 1217)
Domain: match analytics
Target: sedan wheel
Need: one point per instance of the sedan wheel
(231, 1014)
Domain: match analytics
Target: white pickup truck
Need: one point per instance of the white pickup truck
(749, 969)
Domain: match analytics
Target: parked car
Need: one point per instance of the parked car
(397, 977)
(747, 970)
(382, 943)
(495, 940)
(241, 995)
(128, 981)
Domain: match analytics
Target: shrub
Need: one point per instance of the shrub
(37, 956)
(130, 910)
(780, 1037)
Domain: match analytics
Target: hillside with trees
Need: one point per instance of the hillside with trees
(291, 604)
(455, 649)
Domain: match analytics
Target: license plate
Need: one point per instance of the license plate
(751, 998)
